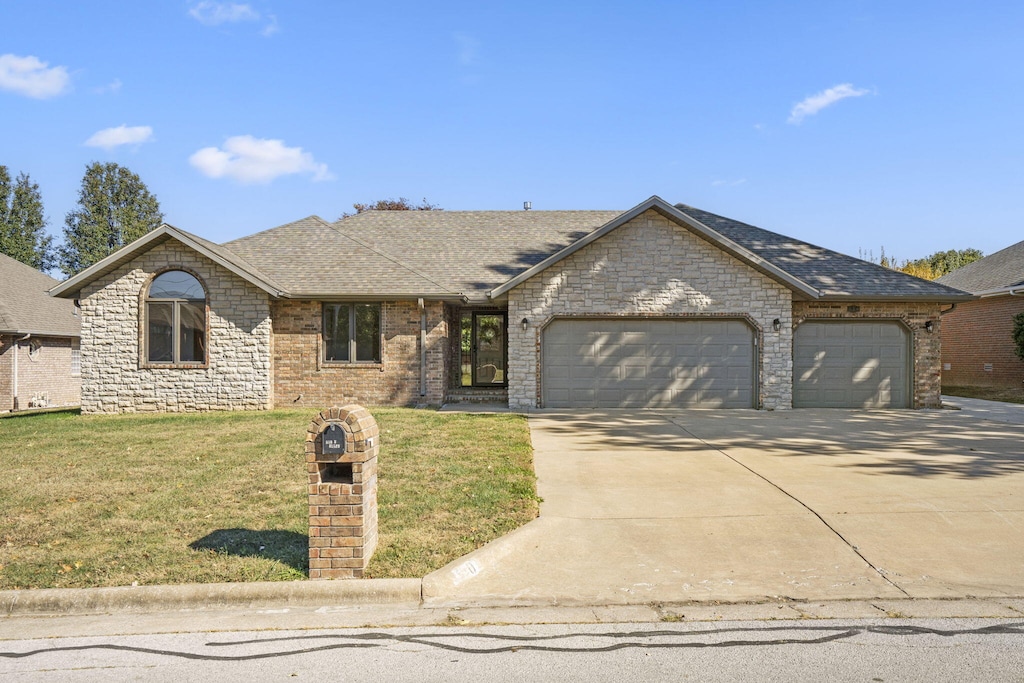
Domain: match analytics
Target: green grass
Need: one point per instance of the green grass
(159, 499)
(1007, 395)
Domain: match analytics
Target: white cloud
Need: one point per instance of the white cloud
(815, 103)
(109, 138)
(211, 13)
(271, 28)
(112, 87)
(215, 13)
(31, 77)
(252, 160)
(728, 183)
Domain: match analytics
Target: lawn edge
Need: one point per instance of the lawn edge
(209, 595)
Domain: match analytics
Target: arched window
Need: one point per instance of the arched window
(176, 319)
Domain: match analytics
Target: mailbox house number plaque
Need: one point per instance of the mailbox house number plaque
(333, 440)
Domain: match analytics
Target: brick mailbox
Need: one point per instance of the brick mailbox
(341, 460)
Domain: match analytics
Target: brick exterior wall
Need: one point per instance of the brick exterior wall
(977, 333)
(114, 376)
(651, 267)
(926, 345)
(47, 377)
(301, 378)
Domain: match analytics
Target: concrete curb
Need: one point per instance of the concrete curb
(212, 595)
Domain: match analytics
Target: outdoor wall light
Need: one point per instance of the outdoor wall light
(525, 323)
(929, 326)
(776, 324)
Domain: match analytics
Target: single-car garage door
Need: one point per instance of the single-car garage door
(648, 363)
(861, 364)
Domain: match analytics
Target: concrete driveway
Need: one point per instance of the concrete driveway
(735, 505)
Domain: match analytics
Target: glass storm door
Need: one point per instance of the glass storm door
(489, 349)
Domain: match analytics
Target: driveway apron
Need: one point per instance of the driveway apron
(639, 508)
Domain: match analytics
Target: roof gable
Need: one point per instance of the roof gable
(672, 213)
(216, 253)
(25, 307)
(996, 273)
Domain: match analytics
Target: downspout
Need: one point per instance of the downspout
(14, 382)
(423, 348)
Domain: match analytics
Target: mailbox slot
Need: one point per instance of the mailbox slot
(336, 473)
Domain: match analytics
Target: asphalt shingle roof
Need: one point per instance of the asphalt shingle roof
(830, 272)
(311, 257)
(473, 252)
(1000, 270)
(452, 254)
(26, 308)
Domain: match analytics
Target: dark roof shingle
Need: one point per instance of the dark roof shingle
(830, 272)
(25, 306)
(1001, 270)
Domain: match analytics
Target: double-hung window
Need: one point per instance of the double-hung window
(176, 319)
(351, 333)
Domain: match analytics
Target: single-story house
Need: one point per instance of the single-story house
(660, 305)
(977, 342)
(39, 352)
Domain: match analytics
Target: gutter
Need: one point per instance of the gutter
(423, 348)
(382, 296)
(1014, 290)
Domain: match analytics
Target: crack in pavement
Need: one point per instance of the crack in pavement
(881, 572)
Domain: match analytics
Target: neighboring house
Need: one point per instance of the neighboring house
(977, 342)
(39, 354)
(659, 306)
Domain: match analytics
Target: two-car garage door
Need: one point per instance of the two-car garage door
(711, 363)
(648, 363)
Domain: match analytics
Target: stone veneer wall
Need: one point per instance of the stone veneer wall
(977, 334)
(114, 379)
(301, 378)
(651, 266)
(926, 345)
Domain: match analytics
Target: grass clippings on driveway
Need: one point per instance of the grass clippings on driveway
(198, 498)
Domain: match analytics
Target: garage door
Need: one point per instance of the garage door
(864, 364)
(648, 364)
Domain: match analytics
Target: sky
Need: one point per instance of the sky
(857, 126)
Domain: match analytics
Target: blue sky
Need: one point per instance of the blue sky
(853, 125)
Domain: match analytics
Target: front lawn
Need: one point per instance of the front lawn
(159, 499)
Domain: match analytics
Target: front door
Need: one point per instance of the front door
(489, 356)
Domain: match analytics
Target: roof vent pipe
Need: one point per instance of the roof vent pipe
(527, 206)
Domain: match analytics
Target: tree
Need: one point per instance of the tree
(114, 208)
(931, 267)
(1018, 335)
(22, 223)
(400, 204)
(940, 263)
